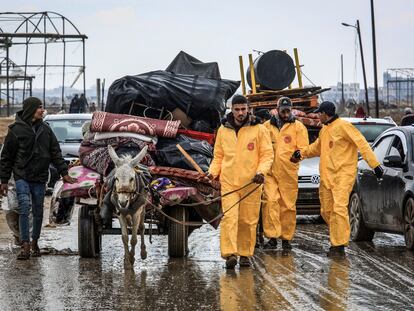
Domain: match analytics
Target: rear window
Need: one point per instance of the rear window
(67, 130)
(372, 131)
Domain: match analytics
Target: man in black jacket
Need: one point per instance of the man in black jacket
(29, 148)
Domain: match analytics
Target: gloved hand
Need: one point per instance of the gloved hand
(296, 156)
(379, 171)
(258, 178)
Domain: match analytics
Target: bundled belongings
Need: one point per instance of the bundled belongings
(167, 153)
(94, 154)
(198, 97)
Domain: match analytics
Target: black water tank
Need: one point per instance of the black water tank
(274, 70)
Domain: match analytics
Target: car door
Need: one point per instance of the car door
(393, 184)
(369, 187)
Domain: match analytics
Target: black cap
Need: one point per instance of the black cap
(327, 107)
(283, 103)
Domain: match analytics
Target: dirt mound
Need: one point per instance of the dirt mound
(4, 123)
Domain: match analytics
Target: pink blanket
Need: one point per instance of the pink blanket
(85, 185)
(111, 122)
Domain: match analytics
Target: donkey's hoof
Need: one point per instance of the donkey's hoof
(143, 254)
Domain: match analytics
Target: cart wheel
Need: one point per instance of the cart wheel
(178, 234)
(86, 233)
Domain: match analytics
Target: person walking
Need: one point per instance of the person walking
(337, 145)
(281, 186)
(29, 148)
(242, 154)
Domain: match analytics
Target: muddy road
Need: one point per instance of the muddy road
(374, 276)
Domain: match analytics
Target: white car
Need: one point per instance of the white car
(309, 179)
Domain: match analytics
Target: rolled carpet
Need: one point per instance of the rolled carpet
(112, 122)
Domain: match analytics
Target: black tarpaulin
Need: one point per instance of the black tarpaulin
(200, 98)
(186, 64)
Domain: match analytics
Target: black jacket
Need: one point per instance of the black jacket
(28, 151)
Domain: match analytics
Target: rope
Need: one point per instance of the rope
(197, 224)
(205, 202)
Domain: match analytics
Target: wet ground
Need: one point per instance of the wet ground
(378, 276)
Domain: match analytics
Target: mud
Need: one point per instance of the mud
(378, 275)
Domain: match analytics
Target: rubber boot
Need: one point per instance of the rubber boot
(35, 249)
(24, 253)
(271, 244)
(231, 262)
(245, 262)
(286, 246)
(336, 251)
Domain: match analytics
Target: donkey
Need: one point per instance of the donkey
(129, 195)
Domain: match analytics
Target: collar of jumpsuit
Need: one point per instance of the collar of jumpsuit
(229, 122)
(278, 122)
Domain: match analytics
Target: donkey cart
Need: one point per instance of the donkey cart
(176, 211)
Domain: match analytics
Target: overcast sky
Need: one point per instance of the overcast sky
(131, 37)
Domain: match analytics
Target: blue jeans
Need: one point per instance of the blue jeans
(30, 196)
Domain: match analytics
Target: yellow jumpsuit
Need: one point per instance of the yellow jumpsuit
(338, 145)
(237, 159)
(281, 186)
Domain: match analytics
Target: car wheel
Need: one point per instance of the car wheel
(359, 232)
(409, 223)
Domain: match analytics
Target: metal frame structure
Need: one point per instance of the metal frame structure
(401, 84)
(34, 28)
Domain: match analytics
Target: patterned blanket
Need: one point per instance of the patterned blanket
(111, 122)
(84, 187)
(94, 153)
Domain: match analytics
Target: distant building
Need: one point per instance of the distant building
(351, 93)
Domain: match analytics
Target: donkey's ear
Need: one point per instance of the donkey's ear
(114, 156)
(135, 161)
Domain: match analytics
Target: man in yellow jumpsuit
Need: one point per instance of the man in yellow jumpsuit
(337, 146)
(242, 154)
(281, 186)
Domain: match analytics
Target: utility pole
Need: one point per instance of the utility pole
(374, 51)
(358, 28)
(342, 80)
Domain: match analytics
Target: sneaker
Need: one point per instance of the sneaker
(231, 262)
(245, 262)
(286, 246)
(271, 244)
(336, 251)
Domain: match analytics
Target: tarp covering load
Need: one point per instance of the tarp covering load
(167, 153)
(198, 97)
(186, 64)
(110, 122)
